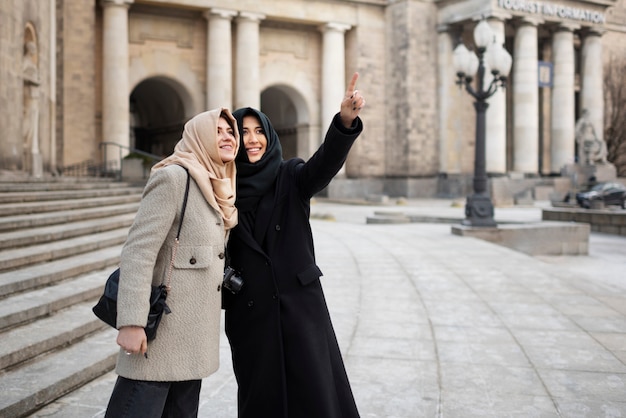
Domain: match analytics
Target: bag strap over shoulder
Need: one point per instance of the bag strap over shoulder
(182, 212)
(180, 226)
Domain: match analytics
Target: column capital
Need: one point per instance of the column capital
(216, 12)
(566, 27)
(593, 31)
(254, 17)
(123, 3)
(530, 21)
(334, 26)
(453, 31)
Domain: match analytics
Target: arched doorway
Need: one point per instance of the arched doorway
(157, 107)
(290, 116)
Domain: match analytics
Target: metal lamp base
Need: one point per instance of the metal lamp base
(479, 211)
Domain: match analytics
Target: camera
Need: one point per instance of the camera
(232, 280)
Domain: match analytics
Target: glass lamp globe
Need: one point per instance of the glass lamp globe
(483, 35)
(498, 59)
(464, 61)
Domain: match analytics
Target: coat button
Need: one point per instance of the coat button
(278, 227)
(250, 303)
(192, 261)
(221, 256)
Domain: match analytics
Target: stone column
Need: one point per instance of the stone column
(333, 70)
(592, 86)
(562, 120)
(219, 59)
(247, 73)
(526, 99)
(449, 156)
(115, 83)
(496, 114)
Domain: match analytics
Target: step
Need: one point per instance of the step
(56, 331)
(32, 236)
(32, 386)
(10, 223)
(36, 276)
(66, 204)
(26, 307)
(38, 196)
(19, 257)
(63, 184)
(59, 241)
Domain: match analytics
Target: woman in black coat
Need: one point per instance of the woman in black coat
(285, 354)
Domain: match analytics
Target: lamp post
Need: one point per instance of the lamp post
(479, 208)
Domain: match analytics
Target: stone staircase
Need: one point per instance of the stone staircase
(59, 240)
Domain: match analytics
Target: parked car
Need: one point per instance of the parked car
(611, 193)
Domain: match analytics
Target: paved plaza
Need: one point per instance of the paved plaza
(436, 325)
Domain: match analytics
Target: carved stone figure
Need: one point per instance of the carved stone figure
(591, 149)
(30, 119)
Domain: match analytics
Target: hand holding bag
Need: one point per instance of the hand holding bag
(106, 308)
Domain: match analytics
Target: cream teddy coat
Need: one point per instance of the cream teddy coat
(187, 343)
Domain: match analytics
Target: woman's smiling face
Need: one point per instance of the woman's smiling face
(254, 139)
(226, 141)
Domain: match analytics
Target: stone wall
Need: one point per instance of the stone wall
(411, 137)
(11, 32)
(77, 99)
(367, 53)
(15, 16)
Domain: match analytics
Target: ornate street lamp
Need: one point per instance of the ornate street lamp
(479, 208)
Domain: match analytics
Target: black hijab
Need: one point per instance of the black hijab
(255, 179)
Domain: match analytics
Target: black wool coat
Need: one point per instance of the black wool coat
(285, 354)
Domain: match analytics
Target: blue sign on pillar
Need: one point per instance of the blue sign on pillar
(546, 72)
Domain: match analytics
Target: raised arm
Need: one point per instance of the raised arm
(346, 126)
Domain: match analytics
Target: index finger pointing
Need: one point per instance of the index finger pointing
(352, 85)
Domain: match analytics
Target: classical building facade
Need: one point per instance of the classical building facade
(89, 80)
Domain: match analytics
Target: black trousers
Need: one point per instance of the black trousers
(144, 399)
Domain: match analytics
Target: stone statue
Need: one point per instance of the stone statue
(591, 149)
(30, 119)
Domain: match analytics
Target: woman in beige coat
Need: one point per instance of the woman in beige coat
(162, 378)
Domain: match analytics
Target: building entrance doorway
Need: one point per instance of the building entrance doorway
(290, 117)
(157, 115)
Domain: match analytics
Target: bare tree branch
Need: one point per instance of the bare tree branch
(615, 113)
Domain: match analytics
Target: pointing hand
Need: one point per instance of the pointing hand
(352, 103)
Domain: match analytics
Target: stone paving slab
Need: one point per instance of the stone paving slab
(437, 325)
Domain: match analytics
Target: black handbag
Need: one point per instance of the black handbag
(106, 308)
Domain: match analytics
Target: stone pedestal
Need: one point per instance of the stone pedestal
(605, 172)
(133, 169)
(539, 238)
(582, 174)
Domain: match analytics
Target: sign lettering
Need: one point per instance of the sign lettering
(551, 9)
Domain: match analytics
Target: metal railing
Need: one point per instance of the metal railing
(112, 167)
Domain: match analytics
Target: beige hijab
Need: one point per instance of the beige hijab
(198, 152)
